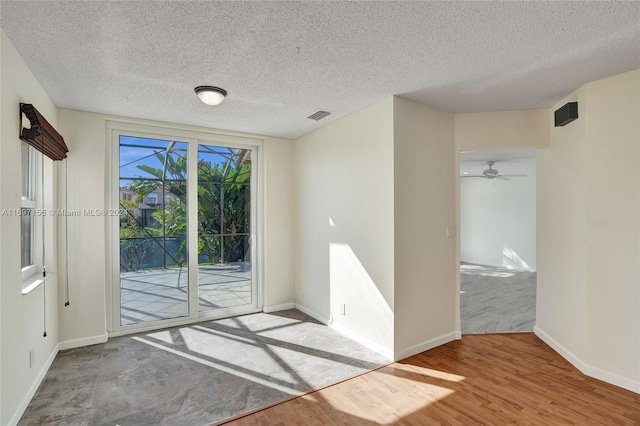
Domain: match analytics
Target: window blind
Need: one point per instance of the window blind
(41, 135)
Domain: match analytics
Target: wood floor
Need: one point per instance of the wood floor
(491, 379)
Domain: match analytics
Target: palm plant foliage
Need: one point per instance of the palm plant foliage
(223, 211)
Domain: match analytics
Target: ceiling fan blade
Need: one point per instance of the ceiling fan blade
(471, 176)
(514, 175)
(502, 177)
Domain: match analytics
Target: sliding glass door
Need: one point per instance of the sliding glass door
(152, 198)
(224, 227)
(186, 230)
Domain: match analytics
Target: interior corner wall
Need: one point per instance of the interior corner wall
(22, 316)
(425, 270)
(84, 320)
(588, 233)
(561, 228)
(344, 224)
(278, 235)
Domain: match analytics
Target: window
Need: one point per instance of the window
(27, 212)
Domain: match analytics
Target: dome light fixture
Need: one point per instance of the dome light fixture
(210, 95)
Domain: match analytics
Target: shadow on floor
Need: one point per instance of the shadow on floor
(196, 374)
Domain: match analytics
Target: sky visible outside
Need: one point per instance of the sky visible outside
(135, 151)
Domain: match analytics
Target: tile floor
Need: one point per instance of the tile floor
(496, 300)
(196, 374)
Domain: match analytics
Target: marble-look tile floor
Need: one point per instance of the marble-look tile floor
(197, 374)
(496, 300)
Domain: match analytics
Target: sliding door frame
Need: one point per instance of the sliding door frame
(115, 129)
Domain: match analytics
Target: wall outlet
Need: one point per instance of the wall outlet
(343, 309)
(32, 357)
(451, 232)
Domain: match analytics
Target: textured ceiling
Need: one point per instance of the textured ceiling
(283, 61)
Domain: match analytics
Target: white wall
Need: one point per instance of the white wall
(425, 268)
(85, 322)
(278, 236)
(612, 210)
(560, 300)
(502, 129)
(22, 316)
(344, 230)
(374, 196)
(85, 318)
(498, 221)
(588, 233)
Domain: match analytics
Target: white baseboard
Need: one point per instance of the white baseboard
(564, 352)
(458, 334)
(312, 314)
(614, 379)
(276, 308)
(586, 369)
(363, 341)
(85, 341)
(426, 345)
(484, 263)
(481, 262)
(350, 334)
(34, 387)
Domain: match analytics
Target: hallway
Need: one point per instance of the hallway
(496, 300)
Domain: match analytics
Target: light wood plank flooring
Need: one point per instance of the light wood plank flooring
(491, 379)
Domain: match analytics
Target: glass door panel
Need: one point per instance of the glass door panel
(153, 230)
(225, 277)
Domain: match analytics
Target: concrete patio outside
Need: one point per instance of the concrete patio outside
(157, 294)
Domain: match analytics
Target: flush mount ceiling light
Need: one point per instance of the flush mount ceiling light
(210, 95)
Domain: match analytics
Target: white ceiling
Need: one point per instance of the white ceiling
(512, 161)
(283, 61)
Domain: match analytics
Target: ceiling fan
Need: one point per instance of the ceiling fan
(492, 173)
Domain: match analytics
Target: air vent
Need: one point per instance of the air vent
(566, 114)
(319, 115)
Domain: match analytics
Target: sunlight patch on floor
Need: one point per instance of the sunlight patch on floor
(484, 271)
(437, 374)
(250, 375)
(421, 395)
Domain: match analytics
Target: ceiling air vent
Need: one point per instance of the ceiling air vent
(319, 115)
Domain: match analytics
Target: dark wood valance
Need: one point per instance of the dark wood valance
(42, 136)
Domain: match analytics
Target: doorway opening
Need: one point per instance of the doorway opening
(497, 241)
